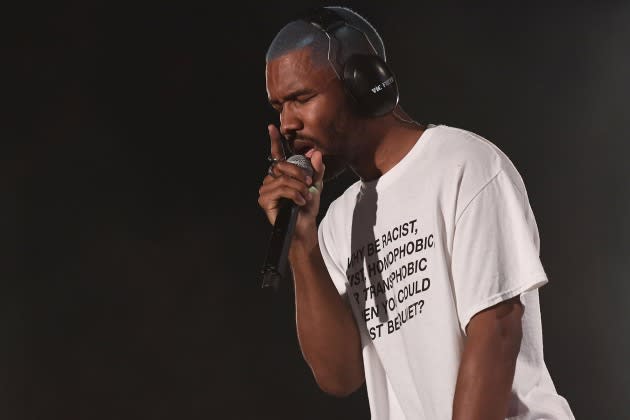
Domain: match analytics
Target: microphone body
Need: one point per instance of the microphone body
(275, 268)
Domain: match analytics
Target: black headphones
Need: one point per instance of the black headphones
(366, 77)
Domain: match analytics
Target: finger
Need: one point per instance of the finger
(290, 169)
(267, 179)
(318, 169)
(271, 170)
(283, 181)
(277, 152)
(269, 197)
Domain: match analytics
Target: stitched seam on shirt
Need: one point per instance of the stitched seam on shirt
(476, 195)
(536, 281)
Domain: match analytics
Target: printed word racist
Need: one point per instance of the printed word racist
(397, 232)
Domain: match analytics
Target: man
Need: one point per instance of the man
(422, 277)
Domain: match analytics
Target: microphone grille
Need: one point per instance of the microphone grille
(303, 162)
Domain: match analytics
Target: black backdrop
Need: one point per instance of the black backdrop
(134, 144)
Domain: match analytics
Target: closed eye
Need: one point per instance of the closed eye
(302, 96)
(303, 99)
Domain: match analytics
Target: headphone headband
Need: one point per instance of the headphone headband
(367, 78)
(325, 19)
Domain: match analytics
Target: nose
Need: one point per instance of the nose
(290, 121)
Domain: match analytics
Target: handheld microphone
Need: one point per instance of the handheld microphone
(276, 263)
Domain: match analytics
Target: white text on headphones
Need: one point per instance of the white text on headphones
(383, 85)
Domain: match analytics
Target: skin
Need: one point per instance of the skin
(487, 368)
(315, 113)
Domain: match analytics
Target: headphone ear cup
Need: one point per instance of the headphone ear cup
(371, 83)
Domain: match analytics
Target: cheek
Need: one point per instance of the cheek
(329, 121)
(319, 120)
(323, 111)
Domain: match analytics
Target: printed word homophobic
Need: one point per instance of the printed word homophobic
(382, 264)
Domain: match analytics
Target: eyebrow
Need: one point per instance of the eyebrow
(291, 96)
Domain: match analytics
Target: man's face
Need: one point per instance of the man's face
(313, 107)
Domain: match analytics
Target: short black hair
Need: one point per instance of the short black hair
(299, 34)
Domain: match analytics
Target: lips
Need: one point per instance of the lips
(303, 147)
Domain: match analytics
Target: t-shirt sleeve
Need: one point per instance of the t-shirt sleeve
(326, 246)
(496, 250)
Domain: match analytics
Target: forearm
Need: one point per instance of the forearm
(327, 333)
(486, 372)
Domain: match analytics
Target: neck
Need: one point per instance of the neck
(386, 141)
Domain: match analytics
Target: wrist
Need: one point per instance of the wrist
(304, 239)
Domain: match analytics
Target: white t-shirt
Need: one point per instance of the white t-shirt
(444, 234)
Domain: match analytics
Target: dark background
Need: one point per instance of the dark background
(134, 144)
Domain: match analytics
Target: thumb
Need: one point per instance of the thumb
(318, 169)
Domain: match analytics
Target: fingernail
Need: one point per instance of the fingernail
(309, 180)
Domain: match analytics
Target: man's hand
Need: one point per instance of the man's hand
(487, 368)
(328, 335)
(287, 180)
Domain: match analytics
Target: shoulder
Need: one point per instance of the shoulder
(470, 160)
(470, 151)
(465, 147)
